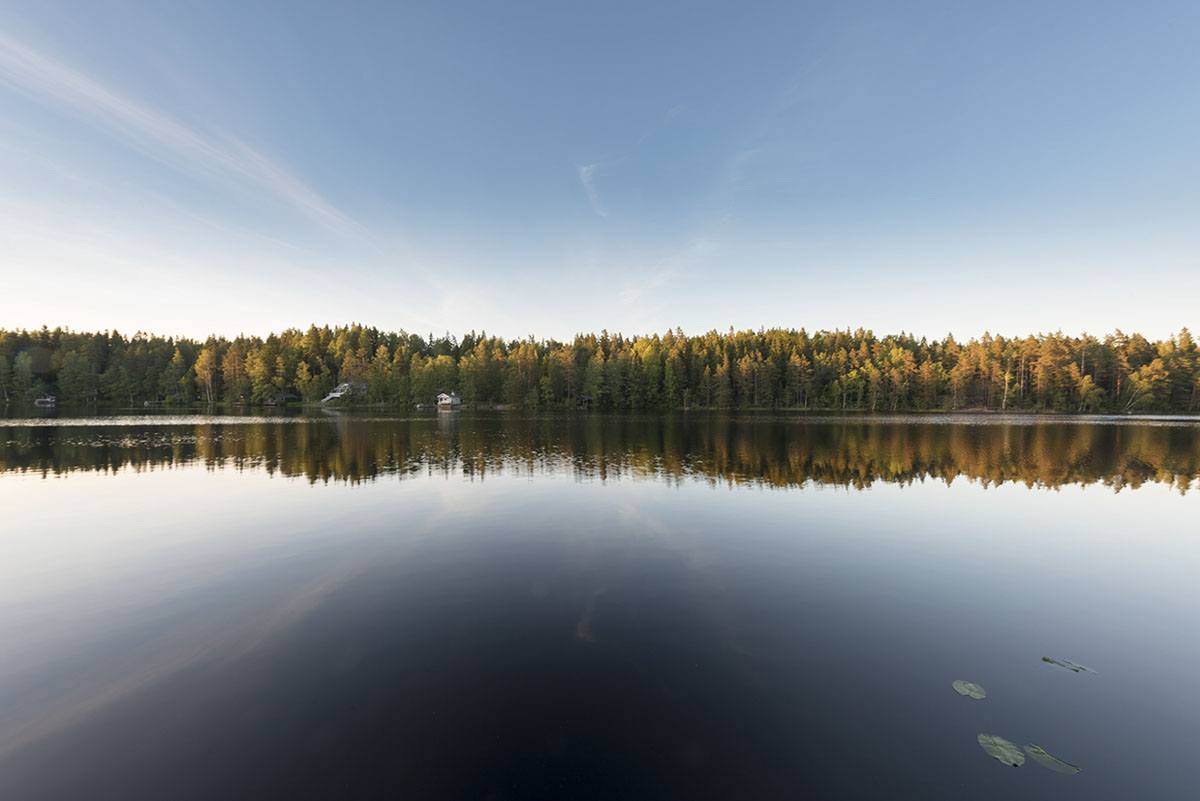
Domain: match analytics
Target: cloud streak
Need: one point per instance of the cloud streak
(587, 177)
(665, 271)
(589, 172)
(161, 137)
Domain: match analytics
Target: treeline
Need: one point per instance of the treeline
(769, 369)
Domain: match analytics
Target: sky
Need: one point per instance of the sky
(550, 168)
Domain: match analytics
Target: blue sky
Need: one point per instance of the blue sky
(560, 167)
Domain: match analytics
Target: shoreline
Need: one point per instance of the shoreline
(309, 414)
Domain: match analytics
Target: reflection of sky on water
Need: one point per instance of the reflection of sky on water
(111, 585)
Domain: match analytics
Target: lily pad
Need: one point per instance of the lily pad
(1049, 761)
(1001, 750)
(969, 688)
(1067, 664)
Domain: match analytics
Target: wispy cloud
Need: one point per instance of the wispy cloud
(161, 137)
(587, 177)
(668, 115)
(589, 172)
(664, 271)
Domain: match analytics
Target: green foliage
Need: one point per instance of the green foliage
(1049, 761)
(1001, 750)
(768, 369)
(77, 379)
(22, 375)
(206, 370)
(5, 378)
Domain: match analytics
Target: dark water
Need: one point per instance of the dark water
(596, 607)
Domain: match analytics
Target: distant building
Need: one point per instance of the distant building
(448, 400)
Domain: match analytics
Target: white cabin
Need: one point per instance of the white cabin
(448, 400)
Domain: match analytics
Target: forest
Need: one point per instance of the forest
(765, 369)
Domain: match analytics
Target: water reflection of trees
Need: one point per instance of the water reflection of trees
(772, 453)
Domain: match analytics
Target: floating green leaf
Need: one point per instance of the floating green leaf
(1067, 664)
(969, 688)
(1049, 761)
(1001, 750)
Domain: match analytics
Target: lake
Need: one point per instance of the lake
(501, 606)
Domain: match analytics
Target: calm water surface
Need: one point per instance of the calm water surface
(510, 607)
